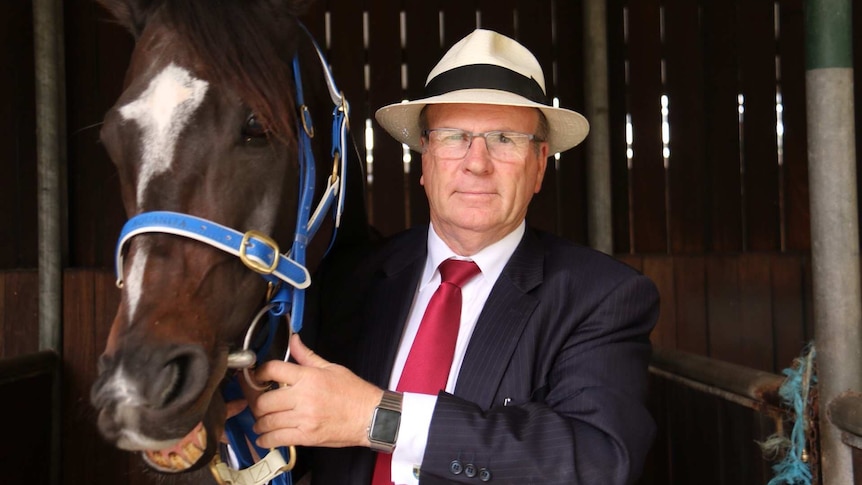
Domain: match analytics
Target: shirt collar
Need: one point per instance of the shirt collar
(491, 260)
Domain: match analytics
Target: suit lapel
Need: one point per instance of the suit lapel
(501, 324)
(391, 299)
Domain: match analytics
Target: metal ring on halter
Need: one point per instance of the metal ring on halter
(246, 343)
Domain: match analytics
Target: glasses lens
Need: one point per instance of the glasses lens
(507, 146)
(449, 144)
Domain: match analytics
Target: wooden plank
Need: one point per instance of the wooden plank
(497, 16)
(620, 192)
(685, 91)
(98, 52)
(633, 260)
(569, 88)
(657, 469)
(694, 430)
(660, 269)
(721, 142)
(18, 222)
(3, 275)
(459, 19)
(760, 156)
(534, 32)
(743, 461)
(723, 307)
(755, 349)
(21, 308)
(384, 59)
(422, 53)
(648, 182)
(692, 333)
(788, 326)
(796, 212)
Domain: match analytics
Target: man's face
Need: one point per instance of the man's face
(481, 196)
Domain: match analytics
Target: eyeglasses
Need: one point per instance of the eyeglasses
(453, 144)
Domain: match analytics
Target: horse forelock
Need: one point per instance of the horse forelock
(248, 46)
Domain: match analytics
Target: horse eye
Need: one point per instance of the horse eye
(253, 130)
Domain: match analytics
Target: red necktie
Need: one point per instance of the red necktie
(427, 368)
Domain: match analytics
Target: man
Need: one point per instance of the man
(546, 380)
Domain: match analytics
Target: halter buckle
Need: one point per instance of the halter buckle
(307, 125)
(256, 264)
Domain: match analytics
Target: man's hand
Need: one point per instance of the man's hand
(318, 404)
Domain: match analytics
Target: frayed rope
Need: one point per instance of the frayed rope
(793, 469)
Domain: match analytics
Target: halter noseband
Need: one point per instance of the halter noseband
(286, 273)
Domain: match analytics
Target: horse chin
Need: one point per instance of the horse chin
(191, 452)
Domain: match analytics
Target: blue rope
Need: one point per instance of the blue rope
(792, 469)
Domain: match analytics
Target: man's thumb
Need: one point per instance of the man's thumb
(303, 355)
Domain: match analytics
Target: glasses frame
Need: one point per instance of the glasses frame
(531, 138)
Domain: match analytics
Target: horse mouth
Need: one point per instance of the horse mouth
(181, 457)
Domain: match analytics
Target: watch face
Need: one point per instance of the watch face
(384, 426)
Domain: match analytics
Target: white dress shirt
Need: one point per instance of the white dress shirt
(418, 408)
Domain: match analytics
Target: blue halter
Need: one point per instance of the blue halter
(287, 272)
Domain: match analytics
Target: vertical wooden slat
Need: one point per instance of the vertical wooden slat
(684, 86)
(692, 333)
(21, 308)
(694, 424)
(756, 348)
(645, 90)
(3, 275)
(569, 88)
(98, 52)
(498, 16)
(721, 142)
(423, 51)
(18, 232)
(723, 310)
(617, 125)
(797, 220)
(788, 326)
(657, 469)
(384, 59)
(760, 157)
(742, 460)
(660, 269)
(459, 19)
(534, 32)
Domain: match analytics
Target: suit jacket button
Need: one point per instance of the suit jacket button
(484, 474)
(455, 467)
(470, 470)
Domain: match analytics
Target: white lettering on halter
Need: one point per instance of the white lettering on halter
(162, 111)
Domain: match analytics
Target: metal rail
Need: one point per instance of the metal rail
(748, 387)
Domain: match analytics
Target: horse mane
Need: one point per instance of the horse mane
(247, 45)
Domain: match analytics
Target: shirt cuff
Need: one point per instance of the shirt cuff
(416, 412)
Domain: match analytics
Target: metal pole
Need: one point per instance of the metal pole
(599, 216)
(50, 155)
(834, 220)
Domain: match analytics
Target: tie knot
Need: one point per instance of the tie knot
(458, 272)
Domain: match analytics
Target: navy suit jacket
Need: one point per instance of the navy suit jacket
(552, 388)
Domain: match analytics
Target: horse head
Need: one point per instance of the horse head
(206, 126)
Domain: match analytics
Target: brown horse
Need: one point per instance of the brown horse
(206, 126)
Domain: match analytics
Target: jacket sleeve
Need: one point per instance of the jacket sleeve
(585, 419)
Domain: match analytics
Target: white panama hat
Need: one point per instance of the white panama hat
(485, 68)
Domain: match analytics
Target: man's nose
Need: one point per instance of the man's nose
(478, 158)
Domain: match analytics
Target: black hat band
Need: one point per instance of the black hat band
(485, 76)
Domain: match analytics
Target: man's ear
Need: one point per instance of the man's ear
(543, 165)
(131, 14)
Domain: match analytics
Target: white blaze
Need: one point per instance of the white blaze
(162, 112)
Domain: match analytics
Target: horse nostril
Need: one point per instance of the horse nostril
(180, 378)
(170, 381)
